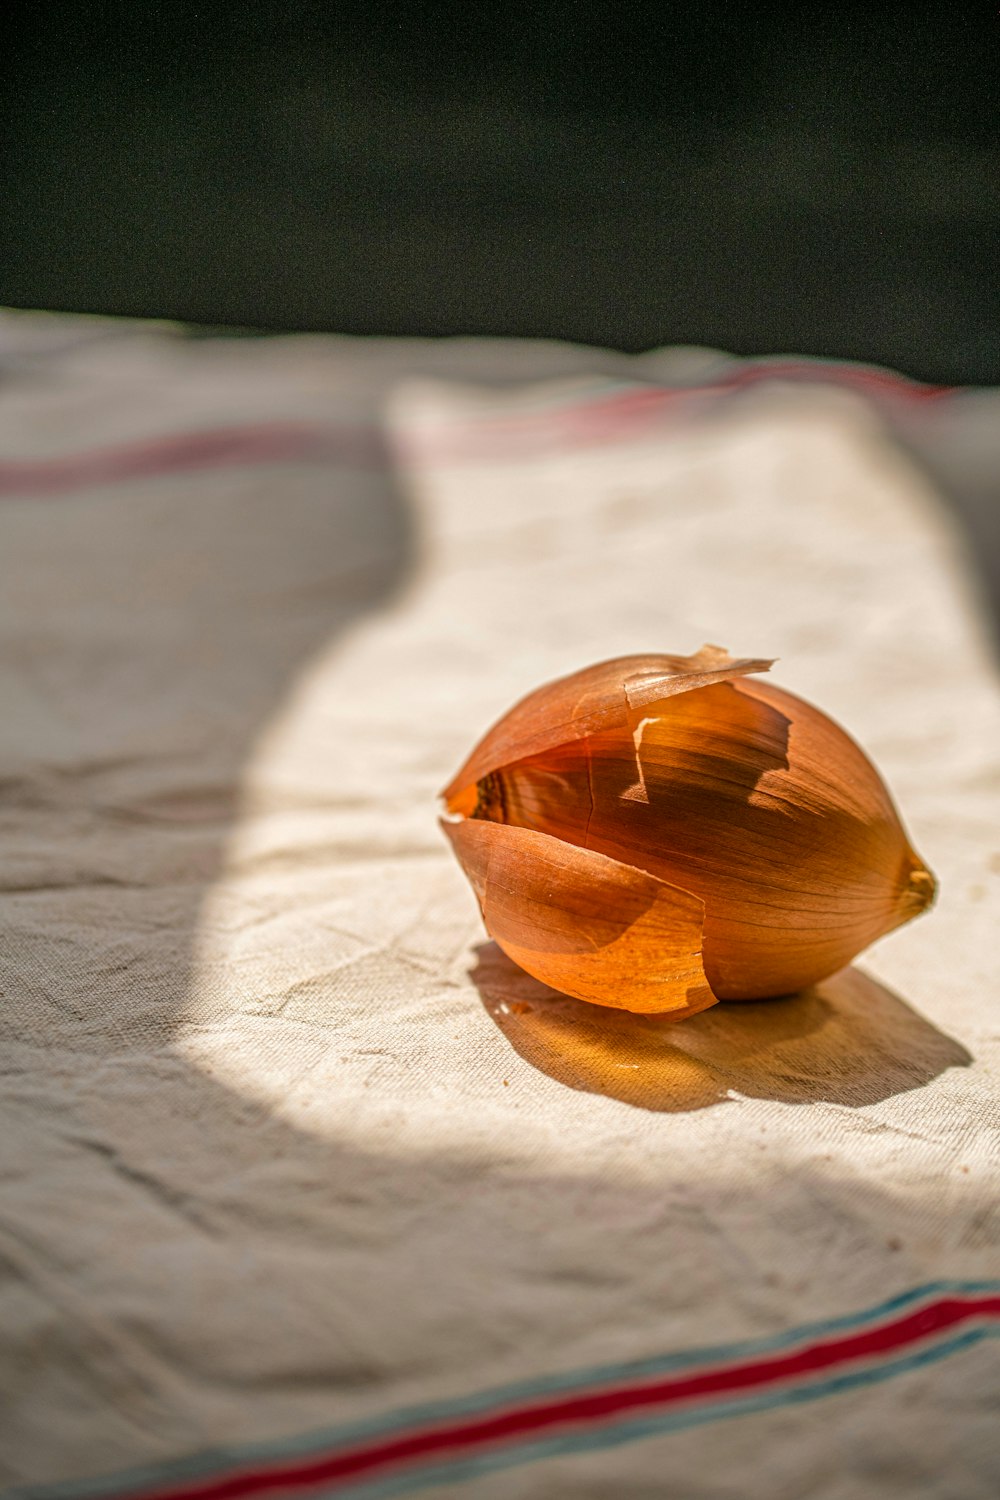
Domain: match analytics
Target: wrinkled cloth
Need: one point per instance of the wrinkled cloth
(286, 1144)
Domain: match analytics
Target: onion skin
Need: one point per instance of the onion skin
(656, 833)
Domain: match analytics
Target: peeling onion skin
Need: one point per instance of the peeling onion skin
(656, 833)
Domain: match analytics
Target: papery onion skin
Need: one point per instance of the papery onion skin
(722, 788)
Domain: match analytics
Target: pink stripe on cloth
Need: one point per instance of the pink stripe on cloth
(593, 420)
(187, 452)
(599, 418)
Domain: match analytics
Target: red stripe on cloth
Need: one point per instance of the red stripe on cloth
(215, 448)
(593, 420)
(590, 420)
(884, 382)
(470, 1434)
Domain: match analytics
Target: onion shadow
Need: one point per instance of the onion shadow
(848, 1041)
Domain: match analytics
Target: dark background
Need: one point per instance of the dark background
(817, 180)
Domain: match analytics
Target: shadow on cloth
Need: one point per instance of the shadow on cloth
(958, 462)
(191, 1265)
(846, 1041)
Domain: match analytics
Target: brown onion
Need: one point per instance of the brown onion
(657, 833)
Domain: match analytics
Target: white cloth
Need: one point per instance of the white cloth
(284, 1143)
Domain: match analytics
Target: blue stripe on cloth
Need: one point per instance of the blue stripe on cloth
(593, 1439)
(210, 1462)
